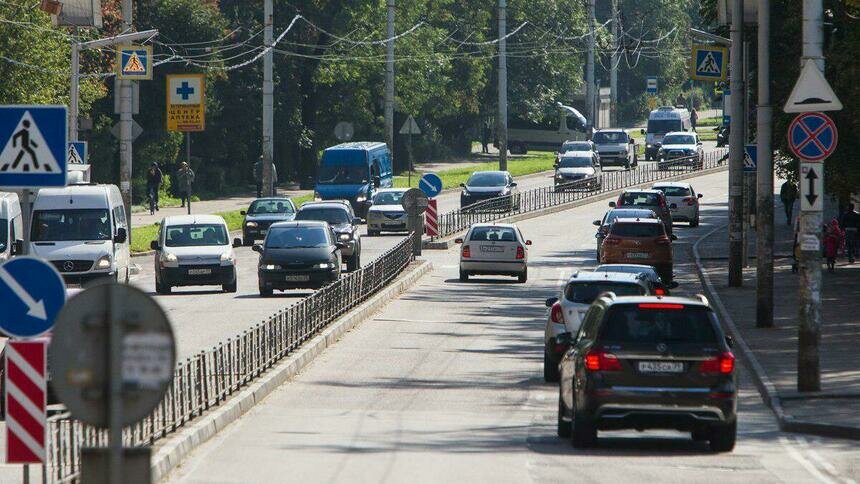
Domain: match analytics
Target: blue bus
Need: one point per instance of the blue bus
(353, 171)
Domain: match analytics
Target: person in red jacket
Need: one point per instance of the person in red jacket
(832, 242)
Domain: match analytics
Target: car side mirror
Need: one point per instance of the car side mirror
(237, 242)
(550, 301)
(528, 242)
(257, 248)
(513, 184)
(612, 204)
(699, 196)
(154, 245)
(730, 341)
(673, 206)
(458, 241)
(340, 245)
(565, 339)
(699, 143)
(596, 223)
(673, 237)
(242, 212)
(18, 247)
(121, 235)
(356, 221)
(642, 130)
(632, 141)
(463, 185)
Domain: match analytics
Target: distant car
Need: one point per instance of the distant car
(616, 148)
(566, 311)
(483, 185)
(586, 145)
(386, 214)
(651, 199)
(343, 223)
(494, 249)
(646, 362)
(262, 213)
(611, 215)
(298, 254)
(194, 250)
(655, 283)
(639, 241)
(685, 147)
(578, 168)
(682, 199)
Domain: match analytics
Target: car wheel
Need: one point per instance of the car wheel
(695, 221)
(265, 291)
(564, 427)
(550, 372)
(230, 287)
(247, 240)
(524, 276)
(464, 276)
(163, 289)
(584, 432)
(723, 437)
(353, 263)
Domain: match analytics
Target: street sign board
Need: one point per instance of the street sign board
(651, 84)
(186, 102)
(410, 126)
(31, 294)
(80, 349)
(77, 153)
(33, 143)
(750, 158)
(26, 401)
(812, 137)
(414, 199)
(344, 131)
(136, 130)
(811, 187)
(709, 63)
(430, 184)
(812, 92)
(134, 62)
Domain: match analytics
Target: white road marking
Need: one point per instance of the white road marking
(794, 454)
(824, 463)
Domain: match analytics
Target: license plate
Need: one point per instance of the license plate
(199, 272)
(661, 367)
(392, 225)
(297, 278)
(638, 255)
(492, 248)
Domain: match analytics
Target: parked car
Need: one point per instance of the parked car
(651, 199)
(611, 215)
(616, 148)
(646, 362)
(639, 241)
(262, 213)
(656, 285)
(386, 214)
(194, 250)
(680, 149)
(578, 169)
(343, 223)
(11, 226)
(566, 311)
(494, 249)
(484, 185)
(298, 254)
(354, 171)
(682, 199)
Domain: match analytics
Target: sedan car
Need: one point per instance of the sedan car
(386, 214)
(484, 185)
(680, 149)
(611, 215)
(649, 273)
(682, 199)
(639, 241)
(298, 254)
(194, 250)
(577, 169)
(343, 223)
(494, 249)
(264, 212)
(651, 199)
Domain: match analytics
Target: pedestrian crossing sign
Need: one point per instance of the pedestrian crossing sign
(134, 62)
(33, 141)
(709, 63)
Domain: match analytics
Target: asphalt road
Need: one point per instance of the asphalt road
(445, 385)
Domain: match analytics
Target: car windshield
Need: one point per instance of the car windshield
(679, 139)
(333, 215)
(578, 146)
(487, 179)
(644, 199)
(609, 137)
(77, 224)
(574, 162)
(343, 175)
(263, 207)
(387, 198)
(626, 269)
(614, 214)
(505, 234)
(663, 126)
(658, 323)
(675, 191)
(297, 238)
(587, 292)
(636, 230)
(197, 235)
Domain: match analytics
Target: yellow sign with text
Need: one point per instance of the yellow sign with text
(186, 102)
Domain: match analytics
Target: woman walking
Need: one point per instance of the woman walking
(833, 237)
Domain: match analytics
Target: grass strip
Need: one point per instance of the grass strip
(532, 163)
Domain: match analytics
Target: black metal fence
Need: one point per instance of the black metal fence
(558, 194)
(208, 378)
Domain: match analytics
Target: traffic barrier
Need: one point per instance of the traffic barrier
(431, 219)
(26, 399)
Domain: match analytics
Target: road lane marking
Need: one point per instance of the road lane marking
(824, 463)
(794, 454)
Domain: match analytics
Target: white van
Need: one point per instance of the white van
(661, 121)
(11, 226)
(82, 230)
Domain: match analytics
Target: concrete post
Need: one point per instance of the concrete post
(613, 69)
(502, 122)
(389, 80)
(125, 124)
(764, 175)
(736, 149)
(268, 101)
(589, 70)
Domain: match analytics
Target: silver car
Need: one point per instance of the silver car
(683, 201)
(494, 249)
(386, 214)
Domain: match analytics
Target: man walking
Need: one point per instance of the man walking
(184, 180)
(154, 178)
(851, 225)
(788, 194)
(694, 118)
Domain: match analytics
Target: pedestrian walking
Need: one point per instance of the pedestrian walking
(184, 180)
(833, 237)
(851, 225)
(154, 178)
(485, 137)
(788, 194)
(258, 179)
(694, 118)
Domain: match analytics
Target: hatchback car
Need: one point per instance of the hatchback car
(566, 311)
(649, 273)
(299, 254)
(649, 363)
(386, 214)
(494, 249)
(650, 199)
(343, 223)
(577, 169)
(484, 185)
(639, 241)
(611, 215)
(264, 212)
(194, 250)
(682, 199)
(680, 149)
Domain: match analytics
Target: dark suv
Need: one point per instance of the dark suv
(649, 363)
(344, 224)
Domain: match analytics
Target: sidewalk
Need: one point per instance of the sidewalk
(834, 411)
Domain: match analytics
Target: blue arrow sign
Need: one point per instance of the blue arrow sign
(430, 184)
(31, 294)
(32, 146)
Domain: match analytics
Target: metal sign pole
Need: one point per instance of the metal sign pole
(411, 163)
(188, 179)
(27, 212)
(115, 384)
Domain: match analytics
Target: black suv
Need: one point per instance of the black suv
(344, 224)
(262, 213)
(649, 363)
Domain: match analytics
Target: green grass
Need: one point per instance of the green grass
(533, 163)
(710, 122)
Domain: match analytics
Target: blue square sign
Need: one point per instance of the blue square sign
(33, 146)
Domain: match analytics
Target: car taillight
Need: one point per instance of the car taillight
(663, 240)
(467, 252)
(521, 253)
(722, 365)
(659, 291)
(661, 306)
(556, 315)
(611, 240)
(596, 360)
(690, 201)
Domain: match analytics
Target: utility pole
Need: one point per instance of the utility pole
(764, 175)
(389, 80)
(749, 178)
(589, 70)
(613, 68)
(502, 122)
(736, 148)
(73, 91)
(809, 330)
(268, 101)
(125, 124)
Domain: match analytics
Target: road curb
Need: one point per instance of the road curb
(175, 448)
(766, 388)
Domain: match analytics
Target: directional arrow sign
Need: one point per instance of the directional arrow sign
(811, 187)
(31, 294)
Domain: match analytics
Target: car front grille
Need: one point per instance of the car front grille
(394, 215)
(65, 266)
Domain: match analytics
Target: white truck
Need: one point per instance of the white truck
(571, 127)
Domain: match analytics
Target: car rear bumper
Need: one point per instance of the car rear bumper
(685, 213)
(620, 159)
(662, 408)
(493, 267)
(179, 276)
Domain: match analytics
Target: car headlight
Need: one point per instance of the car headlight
(227, 257)
(103, 262)
(169, 260)
(271, 267)
(317, 196)
(690, 152)
(345, 237)
(361, 198)
(649, 145)
(325, 265)
(251, 224)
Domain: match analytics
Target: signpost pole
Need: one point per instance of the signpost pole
(268, 101)
(125, 127)
(188, 160)
(764, 175)
(73, 91)
(736, 149)
(502, 121)
(411, 162)
(115, 384)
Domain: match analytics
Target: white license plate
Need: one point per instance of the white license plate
(199, 272)
(638, 255)
(492, 248)
(661, 367)
(298, 278)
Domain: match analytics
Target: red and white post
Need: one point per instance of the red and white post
(431, 220)
(26, 400)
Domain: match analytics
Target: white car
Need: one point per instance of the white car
(194, 250)
(386, 214)
(681, 144)
(576, 166)
(683, 201)
(494, 249)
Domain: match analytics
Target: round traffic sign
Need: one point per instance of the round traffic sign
(32, 292)
(344, 131)
(430, 184)
(79, 356)
(414, 199)
(812, 136)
